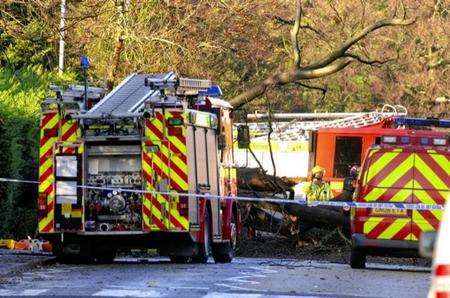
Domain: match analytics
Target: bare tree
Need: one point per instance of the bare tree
(335, 61)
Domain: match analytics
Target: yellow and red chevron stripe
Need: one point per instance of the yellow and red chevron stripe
(431, 186)
(48, 137)
(70, 133)
(56, 133)
(164, 169)
(404, 176)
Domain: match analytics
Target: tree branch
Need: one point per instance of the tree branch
(324, 90)
(318, 88)
(284, 21)
(329, 64)
(287, 77)
(368, 62)
(294, 34)
(340, 51)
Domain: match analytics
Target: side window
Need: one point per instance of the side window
(347, 152)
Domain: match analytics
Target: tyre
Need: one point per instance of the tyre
(225, 253)
(357, 258)
(205, 247)
(180, 259)
(105, 256)
(71, 253)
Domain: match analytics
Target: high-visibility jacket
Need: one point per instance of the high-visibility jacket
(317, 191)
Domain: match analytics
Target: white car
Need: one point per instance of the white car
(440, 284)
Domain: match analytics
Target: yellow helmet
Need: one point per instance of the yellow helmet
(316, 170)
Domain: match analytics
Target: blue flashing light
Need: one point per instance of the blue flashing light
(422, 121)
(84, 62)
(213, 91)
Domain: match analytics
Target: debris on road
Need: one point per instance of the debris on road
(29, 244)
(7, 243)
(13, 262)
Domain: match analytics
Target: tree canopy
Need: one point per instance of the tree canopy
(239, 43)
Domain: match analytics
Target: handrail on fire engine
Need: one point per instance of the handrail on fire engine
(145, 114)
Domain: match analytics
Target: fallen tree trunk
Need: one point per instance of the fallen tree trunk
(255, 179)
(319, 216)
(287, 219)
(277, 223)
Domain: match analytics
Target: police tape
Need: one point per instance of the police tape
(344, 204)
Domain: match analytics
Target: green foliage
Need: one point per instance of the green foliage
(21, 92)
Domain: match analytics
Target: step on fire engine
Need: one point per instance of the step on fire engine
(159, 133)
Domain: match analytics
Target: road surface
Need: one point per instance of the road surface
(244, 278)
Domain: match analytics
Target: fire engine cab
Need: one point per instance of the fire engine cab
(407, 166)
(135, 170)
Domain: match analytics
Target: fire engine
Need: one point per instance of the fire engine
(146, 166)
(407, 166)
(335, 141)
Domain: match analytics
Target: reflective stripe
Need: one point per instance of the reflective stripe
(380, 164)
(431, 186)
(167, 166)
(428, 172)
(394, 228)
(49, 124)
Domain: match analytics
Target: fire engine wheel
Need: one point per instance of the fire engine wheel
(225, 253)
(357, 258)
(65, 254)
(180, 259)
(105, 256)
(205, 247)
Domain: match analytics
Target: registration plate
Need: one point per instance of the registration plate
(388, 211)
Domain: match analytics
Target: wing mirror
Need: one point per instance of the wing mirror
(426, 244)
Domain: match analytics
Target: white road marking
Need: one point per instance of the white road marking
(32, 292)
(37, 275)
(243, 278)
(296, 296)
(127, 293)
(6, 292)
(263, 269)
(231, 295)
(246, 278)
(28, 292)
(234, 287)
(188, 288)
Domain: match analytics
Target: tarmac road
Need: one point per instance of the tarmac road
(243, 278)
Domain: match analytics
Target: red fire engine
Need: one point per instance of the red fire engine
(166, 135)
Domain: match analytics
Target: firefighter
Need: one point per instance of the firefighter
(317, 189)
(350, 184)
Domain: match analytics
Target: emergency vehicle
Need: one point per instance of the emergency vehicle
(334, 141)
(407, 166)
(159, 133)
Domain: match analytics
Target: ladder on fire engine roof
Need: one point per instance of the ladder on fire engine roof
(294, 130)
(129, 96)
